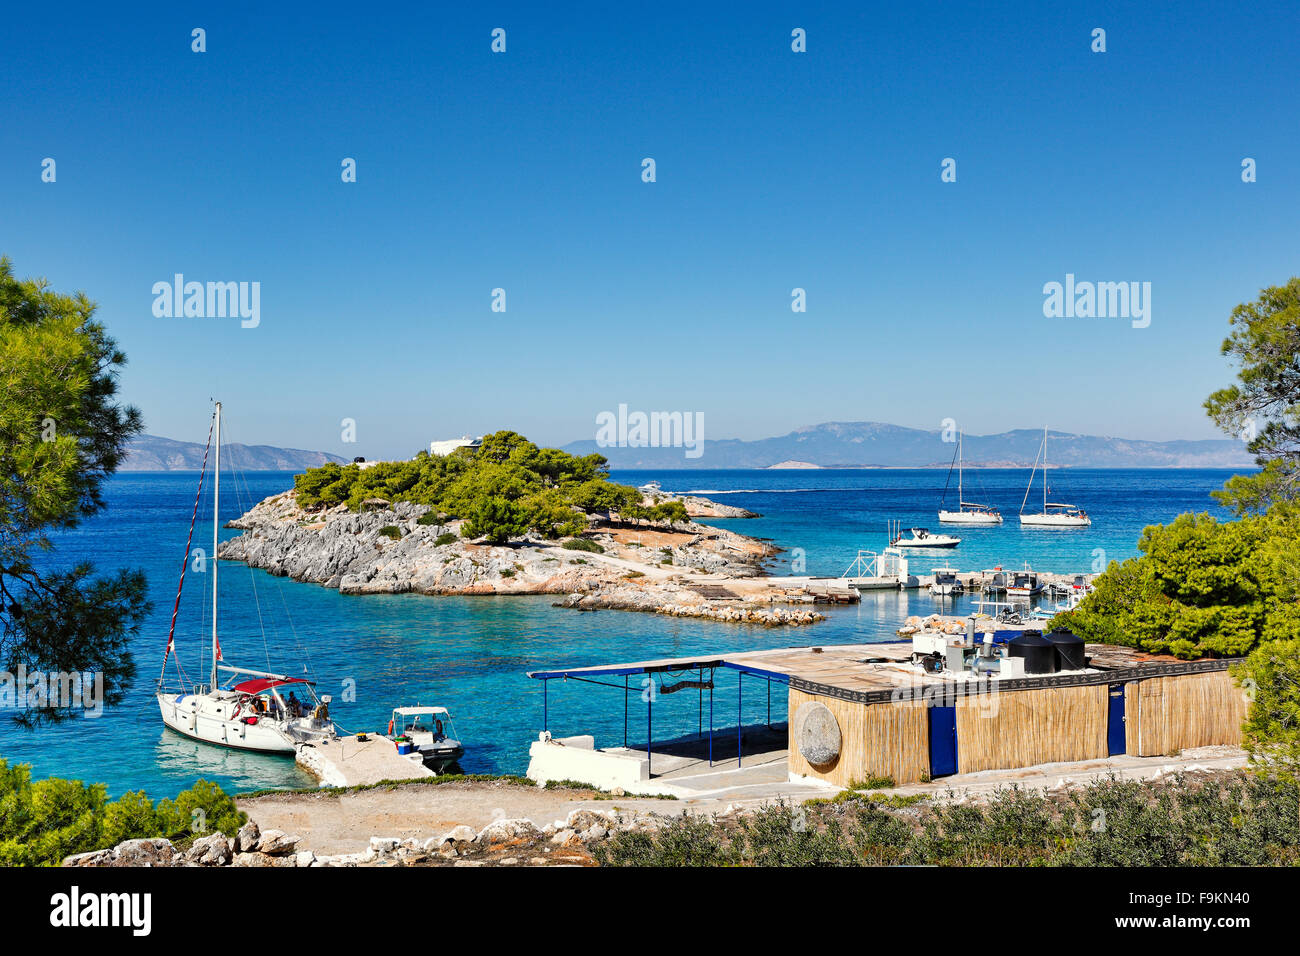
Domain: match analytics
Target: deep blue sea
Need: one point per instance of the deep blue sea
(471, 653)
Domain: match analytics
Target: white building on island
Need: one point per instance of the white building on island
(441, 448)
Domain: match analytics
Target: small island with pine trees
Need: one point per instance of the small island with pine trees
(509, 517)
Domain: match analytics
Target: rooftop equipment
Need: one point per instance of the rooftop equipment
(1069, 651)
(1038, 653)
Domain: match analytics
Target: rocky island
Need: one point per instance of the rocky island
(590, 542)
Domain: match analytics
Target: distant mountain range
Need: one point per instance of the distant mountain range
(828, 445)
(152, 453)
(878, 445)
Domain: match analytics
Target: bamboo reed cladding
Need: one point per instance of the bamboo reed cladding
(882, 740)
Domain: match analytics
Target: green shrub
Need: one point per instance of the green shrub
(41, 823)
(445, 538)
(1237, 820)
(504, 488)
(391, 531)
(429, 518)
(583, 544)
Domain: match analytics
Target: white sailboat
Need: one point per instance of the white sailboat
(1054, 514)
(967, 512)
(252, 712)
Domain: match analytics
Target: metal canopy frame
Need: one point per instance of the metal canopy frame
(586, 675)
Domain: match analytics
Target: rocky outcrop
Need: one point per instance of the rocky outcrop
(698, 507)
(501, 843)
(385, 549)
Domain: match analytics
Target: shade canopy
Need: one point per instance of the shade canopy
(266, 683)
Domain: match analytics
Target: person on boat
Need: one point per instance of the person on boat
(437, 730)
(295, 705)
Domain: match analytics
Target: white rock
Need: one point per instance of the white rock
(498, 831)
(458, 834)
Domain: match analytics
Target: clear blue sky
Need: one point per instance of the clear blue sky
(775, 170)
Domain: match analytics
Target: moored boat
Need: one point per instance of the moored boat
(1024, 583)
(922, 538)
(1055, 514)
(967, 512)
(250, 713)
(946, 582)
(430, 731)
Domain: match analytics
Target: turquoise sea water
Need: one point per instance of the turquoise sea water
(470, 654)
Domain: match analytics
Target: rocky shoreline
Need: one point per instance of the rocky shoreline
(683, 569)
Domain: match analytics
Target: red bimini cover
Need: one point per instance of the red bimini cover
(266, 683)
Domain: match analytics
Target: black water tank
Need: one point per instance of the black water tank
(1069, 651)
(1039, 653)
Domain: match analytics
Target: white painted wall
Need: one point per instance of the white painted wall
(575, 758)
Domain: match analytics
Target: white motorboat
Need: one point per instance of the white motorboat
(922, 538)
(1024, 583)
(429, 731)
(967, 512)
(252, 712)
(1054, 514)
(946, 582)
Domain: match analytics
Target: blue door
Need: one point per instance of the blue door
(943, 741)
(1115, 723)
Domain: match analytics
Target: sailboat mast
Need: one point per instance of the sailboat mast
(216, 507)
(1044, 469)
(961, 497)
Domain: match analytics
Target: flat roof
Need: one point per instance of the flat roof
(871, 672)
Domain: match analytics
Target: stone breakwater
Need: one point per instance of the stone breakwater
(387, 550)
(735, 613)
(500, 843)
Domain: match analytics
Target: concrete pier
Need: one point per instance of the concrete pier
(349, 762)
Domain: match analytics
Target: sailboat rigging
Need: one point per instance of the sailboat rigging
(1054, 514)
(967, 512)
(250, 713)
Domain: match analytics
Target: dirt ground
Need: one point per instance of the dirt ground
(331, 823)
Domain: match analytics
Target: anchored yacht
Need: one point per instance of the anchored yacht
(257, 710)
(1054, 514)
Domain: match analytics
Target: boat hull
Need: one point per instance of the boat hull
(207, 719)
(969, 517)
(1054, 521)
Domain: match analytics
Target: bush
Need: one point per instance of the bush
(42, 823)
(445, 538)
(1201, 587)
(583, 544)
(391, 531)
(502, 489)
(1271, 732)
(1238, 820)
(429, 518)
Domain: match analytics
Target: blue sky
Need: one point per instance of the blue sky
(775, 170)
